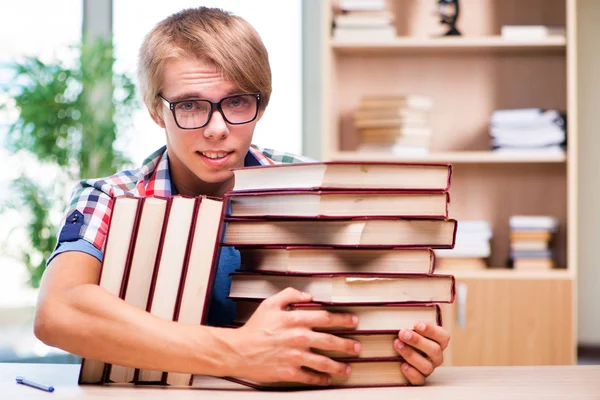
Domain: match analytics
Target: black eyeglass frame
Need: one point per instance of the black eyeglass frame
(213, 106)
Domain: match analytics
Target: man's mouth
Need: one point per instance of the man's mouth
(214, 155)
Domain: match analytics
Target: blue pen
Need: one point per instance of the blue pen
(24, 381)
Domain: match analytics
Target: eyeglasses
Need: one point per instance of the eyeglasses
(236, 109)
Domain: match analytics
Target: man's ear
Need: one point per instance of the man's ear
(157, 119)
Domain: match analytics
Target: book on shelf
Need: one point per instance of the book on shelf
(531, 32)
(370, 34)
(347, 287)
(383, 318)
(472, 247)
(151, 243)
(355, 232)
(530, 242)
(339, 204)
(389, 135)
(411, 101)
(363, 19)
(362, 5)
(330, 260)
(344, 176)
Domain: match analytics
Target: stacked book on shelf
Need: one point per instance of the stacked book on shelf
(399, 125)
(530, 242)
(532, 32)
(358, 237)
(363, 20)
(472, 248)
(529, 130)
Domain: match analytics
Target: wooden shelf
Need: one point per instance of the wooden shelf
(466, 157)
(507, 273)
(482, 43)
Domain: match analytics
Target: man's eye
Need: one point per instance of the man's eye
(187, 106)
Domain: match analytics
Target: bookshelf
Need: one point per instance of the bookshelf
(449, 44)
(468, 77)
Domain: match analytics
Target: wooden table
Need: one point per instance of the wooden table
(447, 383)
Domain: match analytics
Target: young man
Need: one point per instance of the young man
(205, 78)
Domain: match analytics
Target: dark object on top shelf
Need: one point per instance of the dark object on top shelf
(449, 11)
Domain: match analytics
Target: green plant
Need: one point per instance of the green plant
(69, 116)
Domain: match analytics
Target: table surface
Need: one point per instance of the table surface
(447, 383)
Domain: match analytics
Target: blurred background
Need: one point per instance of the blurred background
(505, 90)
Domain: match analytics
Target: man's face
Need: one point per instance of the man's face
(205, 154)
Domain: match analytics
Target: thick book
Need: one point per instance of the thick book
(338, 204)
(168, 271)
(199, 272)
(145, 249)
(371, 232)
(344, 176)
(348, 288)
(328, 260)
(366, 372)
(114, 268)
(383, 318)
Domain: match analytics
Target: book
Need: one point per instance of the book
(329, 260)
(389, 123)
(383, 318)
(366, 372)
(347, 288)
(199, 271)
(113, 270)
(344, 176)
(169, 268)
(412, 101)
(137, 287)
(531, 32)
(326, 204)
(439, 234)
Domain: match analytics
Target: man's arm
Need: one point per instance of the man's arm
(77, 315)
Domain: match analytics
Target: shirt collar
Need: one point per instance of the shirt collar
(158, 176)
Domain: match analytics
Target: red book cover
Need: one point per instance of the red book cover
(113, 206)
(232, 196)
(334, 225)
(279, 174)
(245, 266)
(261, 276)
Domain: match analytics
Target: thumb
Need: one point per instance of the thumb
(286, 297)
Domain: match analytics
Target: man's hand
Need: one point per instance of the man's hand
(275, 344)
(422, 349)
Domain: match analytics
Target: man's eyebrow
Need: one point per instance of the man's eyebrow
(197, 95)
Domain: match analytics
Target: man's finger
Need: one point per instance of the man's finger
(411, 373)
(286, 297)
(323, 319)
(414, 358)
(431, 349)
(324, 364)
(328, 342)
(433, 332)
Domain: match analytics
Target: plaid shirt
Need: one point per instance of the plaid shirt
(90, 206)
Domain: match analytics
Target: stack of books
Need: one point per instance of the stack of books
(530, 242)
(363, 20)
(529, 130)
(160, 256)
(358, 237)
(472, 249)
(394, 124)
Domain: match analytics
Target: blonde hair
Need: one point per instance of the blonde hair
(225, 40)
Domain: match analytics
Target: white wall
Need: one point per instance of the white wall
(279, 25)
(588, 99)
